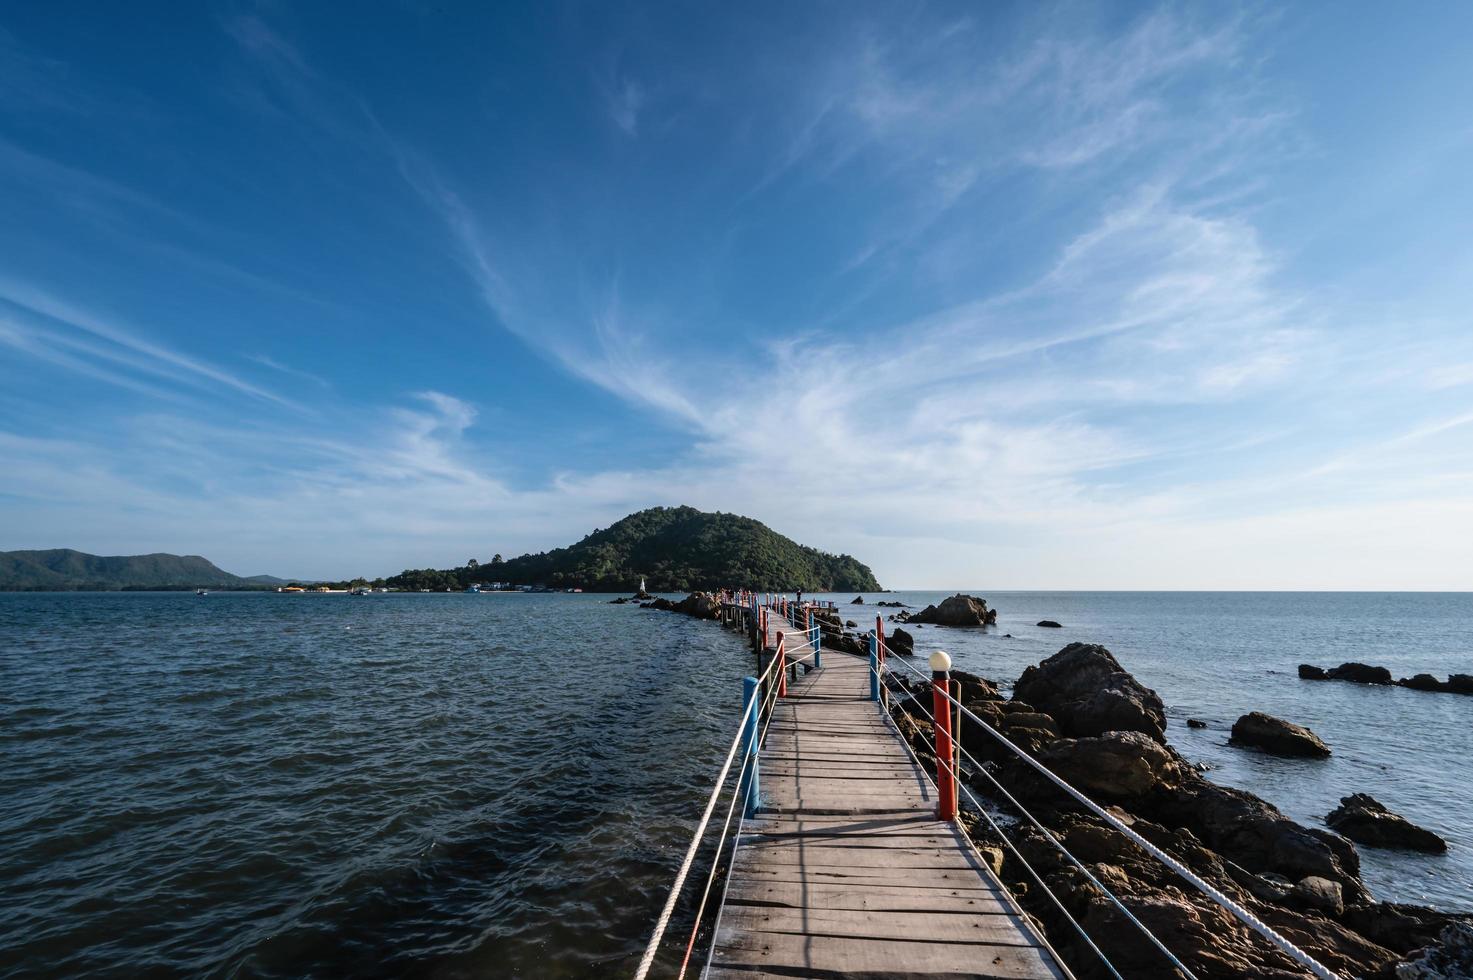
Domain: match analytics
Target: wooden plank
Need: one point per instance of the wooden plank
(873, 877)
(818, 956)
(862, 897)
(816, 843)
(810, 855)
(997, 928)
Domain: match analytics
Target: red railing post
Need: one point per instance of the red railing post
(880, 636)
(945, 755)
(782, 669)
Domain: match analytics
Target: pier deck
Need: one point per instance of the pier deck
(845, 871)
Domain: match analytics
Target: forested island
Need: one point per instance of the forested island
(672, 549)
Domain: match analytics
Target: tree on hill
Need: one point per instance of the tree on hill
(679, 549)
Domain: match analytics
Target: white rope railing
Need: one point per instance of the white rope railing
(905, 743)
(1238, 911)
(736, 796)
(663, 922)
(955, 773)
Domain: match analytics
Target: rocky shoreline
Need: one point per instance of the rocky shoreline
(1093, 724)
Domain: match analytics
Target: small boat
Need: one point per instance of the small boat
(360, 591)
(201, 592)
(473, 588)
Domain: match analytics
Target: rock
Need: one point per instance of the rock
(1399, 927)
(1050, 624)
(993, 857)
(1276, 736)
(974, 688)
(1089, 693)
(958, 610)
(1031, 719)
(892, 605)
(1365, 821)
(1360, 674)
(1196, 723)
(1254, 834)
(1422, 682)
(1460, 684)
(698, 604)
(1114, 766)
(1320, 893)
(1268, 886)
(851, 624)
(858, 601)
(1450, 959)
(901, 642)
(620, 601)
(1309, 672)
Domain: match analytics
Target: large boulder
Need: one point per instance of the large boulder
(1278, 737)
(1460, 684)
(1114, 766)
(1359, 673)
(857, 601)
(1254, 834)
(1309, 672)
(901, 642)
(1364, 820)
(1084, 687)
(959, 610)
(701, 605)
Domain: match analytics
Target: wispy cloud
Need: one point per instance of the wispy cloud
(57, 324)
(287, 369)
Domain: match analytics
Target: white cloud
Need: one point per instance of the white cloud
(57, 324)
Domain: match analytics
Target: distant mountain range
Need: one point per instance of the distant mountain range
(675, 549)
(66, 570)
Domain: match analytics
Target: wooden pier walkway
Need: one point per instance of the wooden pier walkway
(845, 870)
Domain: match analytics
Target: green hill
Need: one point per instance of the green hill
(676, 549)
(62, 569)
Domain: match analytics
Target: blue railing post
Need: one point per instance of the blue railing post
(815, 636)
(750, 693)
(874, 668)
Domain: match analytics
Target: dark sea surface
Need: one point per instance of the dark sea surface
(502, 785)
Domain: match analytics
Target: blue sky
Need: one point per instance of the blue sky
(999, 296)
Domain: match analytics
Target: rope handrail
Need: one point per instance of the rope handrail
(955, 774)
(736, 795)
(905, 743)
(690, 854)
(1238, 911)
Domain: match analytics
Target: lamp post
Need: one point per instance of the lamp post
(941, 713)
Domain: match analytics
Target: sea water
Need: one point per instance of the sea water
(503, 785)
